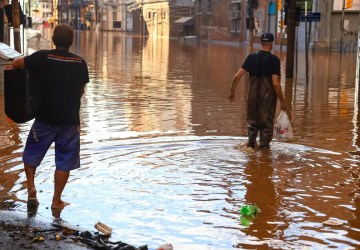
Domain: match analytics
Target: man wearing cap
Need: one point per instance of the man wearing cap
(264, 89)
(62, 78)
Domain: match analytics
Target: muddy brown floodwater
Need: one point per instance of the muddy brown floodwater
(159, 157)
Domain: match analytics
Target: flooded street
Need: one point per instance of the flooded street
(159, 155)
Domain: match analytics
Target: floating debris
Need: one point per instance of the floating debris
(165, 247)
(101, 227)
(38, 239)
(94, 239)
(248, 213)
(333, 223)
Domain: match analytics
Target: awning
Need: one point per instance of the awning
(185, 21)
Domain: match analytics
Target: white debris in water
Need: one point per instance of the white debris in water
(333, 223)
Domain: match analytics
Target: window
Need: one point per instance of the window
(114, 16)
(149, 15)
(199, 6)
(234, 10)
(209, 7)
(117, 24)
(164, 15)
(235, 26)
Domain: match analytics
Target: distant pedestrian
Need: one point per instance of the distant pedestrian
(264, 89)
(62, 78)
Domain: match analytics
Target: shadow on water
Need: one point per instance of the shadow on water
(260, 190)
(159, 162)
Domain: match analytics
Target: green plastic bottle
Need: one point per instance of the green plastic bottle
(245, 221)
(248, 210)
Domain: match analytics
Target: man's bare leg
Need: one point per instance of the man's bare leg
(61, 178)
(30, 177)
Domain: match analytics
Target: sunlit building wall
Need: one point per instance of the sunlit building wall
(112, 15)
(156, 18)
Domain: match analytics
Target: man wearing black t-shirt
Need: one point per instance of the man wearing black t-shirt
(264, 89)
(62, 78)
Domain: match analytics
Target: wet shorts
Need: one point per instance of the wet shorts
(67, 145)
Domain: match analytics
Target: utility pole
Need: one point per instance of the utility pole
(290, 38)
(358, 59)
(1, 25)
(15, 7)
(251, 5)
(141, 19)
(190, 8)
(281, 5)
(251, 24)
(342, 25)
(58, 11)
(306, 48)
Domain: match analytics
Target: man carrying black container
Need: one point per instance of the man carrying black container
(264, 89)
(62, 78)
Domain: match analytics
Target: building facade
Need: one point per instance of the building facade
(42, 11)
(112, 16)
(337, 39)
(223, 20)
(230, 20)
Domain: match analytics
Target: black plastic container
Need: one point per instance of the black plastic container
(20, 94)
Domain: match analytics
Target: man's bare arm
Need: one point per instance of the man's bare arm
(18, 63)
(278, 91)
(235, 82)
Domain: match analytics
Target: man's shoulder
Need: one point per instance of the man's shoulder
(77, 56)
(38, 53)
(275, 58)
(251, 57)
(252, 54)
(272, 56)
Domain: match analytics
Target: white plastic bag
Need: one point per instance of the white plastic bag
(283, 128)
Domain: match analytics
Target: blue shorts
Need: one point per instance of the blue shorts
(67, 145)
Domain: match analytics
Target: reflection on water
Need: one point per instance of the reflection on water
(159, 156)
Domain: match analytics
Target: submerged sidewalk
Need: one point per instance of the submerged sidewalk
(17, 232)
(24, 231)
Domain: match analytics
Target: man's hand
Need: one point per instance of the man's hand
(18, 63)
(283, 106)
(234, 83)
(232, 97)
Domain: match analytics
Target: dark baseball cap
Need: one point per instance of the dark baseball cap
(267, 37)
